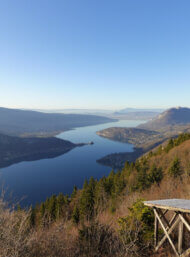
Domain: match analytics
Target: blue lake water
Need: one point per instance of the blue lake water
(34, 181)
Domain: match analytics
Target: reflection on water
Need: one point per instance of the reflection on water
(38, 179)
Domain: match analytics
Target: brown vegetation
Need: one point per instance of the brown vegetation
(116, 227)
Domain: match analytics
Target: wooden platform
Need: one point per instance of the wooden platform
(180, 207)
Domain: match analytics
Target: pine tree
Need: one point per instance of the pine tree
(109, 183)
(119, 183)
(76, 215)
(175, 169)
(87, 199)
(42, 210)
(127, 165)
(52, 208)
(101, 196)
(60, 205)
(170, 145)
(32, 218)
(75, 189)
(142, 178)
(156, 174)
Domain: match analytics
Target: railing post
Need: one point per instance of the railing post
(180, 237)
(155, 230)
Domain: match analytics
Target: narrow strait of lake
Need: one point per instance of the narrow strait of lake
(34, 181)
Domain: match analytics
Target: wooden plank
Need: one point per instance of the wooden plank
(184, 222)
(165, 212)
(163, 217)
(168, 208)
(166, 233)
(180, 237)
(181, 205)
(186, 253)
(169, 232)
(155, 230)
(172, 220)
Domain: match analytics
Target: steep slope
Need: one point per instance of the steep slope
(173, 117)
(20, 122)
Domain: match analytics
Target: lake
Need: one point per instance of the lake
(34, 181)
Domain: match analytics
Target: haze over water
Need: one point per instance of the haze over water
(36, 180)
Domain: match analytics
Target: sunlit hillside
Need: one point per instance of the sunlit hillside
(106, 217)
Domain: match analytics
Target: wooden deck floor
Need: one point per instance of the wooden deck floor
(181, 205)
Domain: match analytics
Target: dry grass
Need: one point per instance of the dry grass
(98, 239)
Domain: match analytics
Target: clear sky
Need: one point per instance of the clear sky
(94, 53)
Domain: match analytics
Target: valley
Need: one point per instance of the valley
(146, 136)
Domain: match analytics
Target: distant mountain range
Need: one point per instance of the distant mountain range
(26, 123)
(132, 110)
(76, 111)
(141, 114)
(179, 116)
(127, 113)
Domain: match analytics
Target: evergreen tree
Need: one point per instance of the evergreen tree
(175, 169)
(67, 201)
(76, 215)
(52, 208)
(32, 217)
(87, 199)
(170, 145)
(142, 176)
(119, 183)
(101, 196)
(75, 189)
(109, 183)
(159, 150)
(156, 174)
(127, 165)
(60, 205)
(42, 210)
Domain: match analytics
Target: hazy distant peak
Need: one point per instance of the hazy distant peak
(172, 116)
(130, 110)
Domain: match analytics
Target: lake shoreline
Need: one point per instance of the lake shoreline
(42, 178)
(118, 160)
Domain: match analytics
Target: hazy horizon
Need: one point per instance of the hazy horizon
(109, 110)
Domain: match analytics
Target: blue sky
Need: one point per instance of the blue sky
(103, 54)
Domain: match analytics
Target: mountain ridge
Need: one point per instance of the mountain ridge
(170, 117)
(18, 122)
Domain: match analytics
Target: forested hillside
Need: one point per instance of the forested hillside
(17, 149)
(106, 217)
